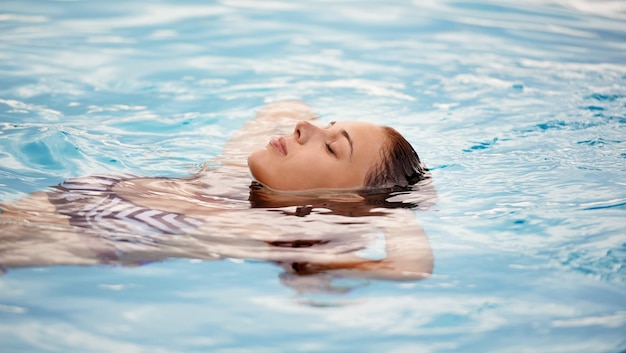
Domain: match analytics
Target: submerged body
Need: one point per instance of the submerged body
(125, 219)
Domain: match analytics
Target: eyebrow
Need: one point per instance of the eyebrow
(347, 136)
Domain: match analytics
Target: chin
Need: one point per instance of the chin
(256, 172)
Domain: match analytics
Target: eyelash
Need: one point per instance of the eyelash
(330, 149)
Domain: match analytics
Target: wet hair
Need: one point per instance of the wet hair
(400, 166)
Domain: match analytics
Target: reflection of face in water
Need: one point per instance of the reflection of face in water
(348, 203)
(340, 223)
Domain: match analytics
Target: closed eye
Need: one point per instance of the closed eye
(330, 150)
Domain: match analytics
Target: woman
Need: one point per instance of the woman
(343, 169)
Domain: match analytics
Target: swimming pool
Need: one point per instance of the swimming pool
(519, 110)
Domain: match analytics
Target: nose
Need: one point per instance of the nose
(304, 131)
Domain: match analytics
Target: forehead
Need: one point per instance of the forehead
(368, 139)
(360, 128)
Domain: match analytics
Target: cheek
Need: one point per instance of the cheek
(316, 172)
(303, 171)
(299, 172)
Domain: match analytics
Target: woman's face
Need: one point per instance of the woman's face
(338, 156)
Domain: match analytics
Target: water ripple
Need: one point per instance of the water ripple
(519, 108)
(615, 203)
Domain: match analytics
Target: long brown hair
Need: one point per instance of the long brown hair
(400, 165)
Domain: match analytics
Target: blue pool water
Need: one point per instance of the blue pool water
(519, 109)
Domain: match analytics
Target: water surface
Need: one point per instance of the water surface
(518, 108)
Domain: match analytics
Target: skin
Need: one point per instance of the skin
(337, 156)
(32, 233)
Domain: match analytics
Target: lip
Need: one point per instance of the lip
(279, 144)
